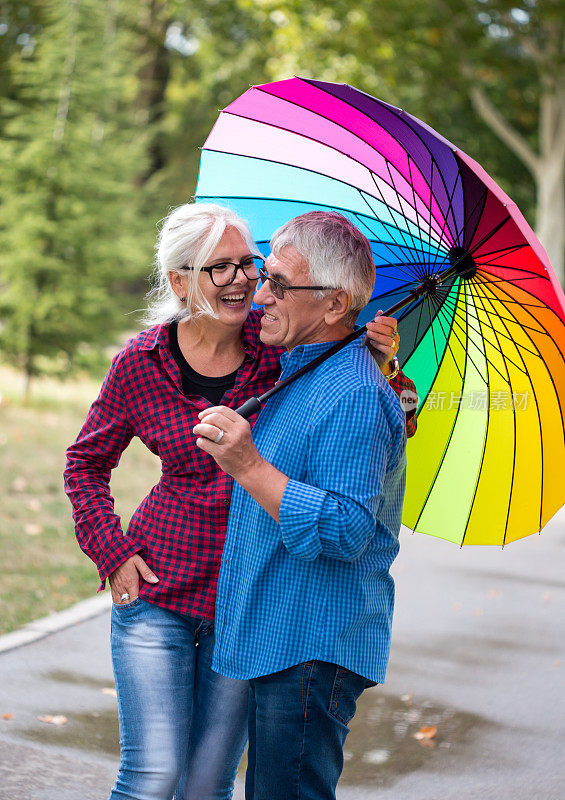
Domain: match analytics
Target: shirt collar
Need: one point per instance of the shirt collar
(303, 353)
(154, 337)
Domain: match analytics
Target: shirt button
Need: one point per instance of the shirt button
(226, 502)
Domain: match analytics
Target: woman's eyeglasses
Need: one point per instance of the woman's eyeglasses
(223, 274)
(278, 289)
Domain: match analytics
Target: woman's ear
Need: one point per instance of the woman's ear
(177, 284)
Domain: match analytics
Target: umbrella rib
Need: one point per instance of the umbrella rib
(408, 247)
(504, 280)
(343, 210)
(420, 270)
(432, 330)
(439, 312)
(541, 303)
(399, 114)
(525, 370)
(530, 276)
(316, 141)
(499, 316)
(449, 207)
(488, 340)
(410, 161)
(488, 235)
(388, 245)
(505, 250)
(357, 136)
(464, 331)
(534, 345)
(509, 381)
(418, 325)
(468, 216)
(446, 448)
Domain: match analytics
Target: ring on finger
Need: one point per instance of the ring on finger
(219, 437)
(125, 597)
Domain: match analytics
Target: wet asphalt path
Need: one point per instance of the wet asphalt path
(478, 653)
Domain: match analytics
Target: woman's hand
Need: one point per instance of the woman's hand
(125, 579)
(384, 338)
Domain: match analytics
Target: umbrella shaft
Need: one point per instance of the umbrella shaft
(253, 405)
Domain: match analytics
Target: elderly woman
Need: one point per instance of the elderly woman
(182, 726)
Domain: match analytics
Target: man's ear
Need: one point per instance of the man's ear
(338, 307)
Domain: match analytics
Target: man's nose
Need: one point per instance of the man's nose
(261, 294)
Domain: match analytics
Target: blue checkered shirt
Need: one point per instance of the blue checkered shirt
(317, 585)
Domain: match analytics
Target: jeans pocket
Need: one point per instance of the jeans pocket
(119, 607)
(347, 688)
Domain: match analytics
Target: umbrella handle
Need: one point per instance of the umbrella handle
(249, 408)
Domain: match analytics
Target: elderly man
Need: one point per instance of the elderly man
(305, 599)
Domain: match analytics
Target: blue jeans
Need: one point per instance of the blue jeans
(183, 728)
(297, 728)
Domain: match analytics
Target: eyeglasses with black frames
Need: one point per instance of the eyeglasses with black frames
(278, 289)
(224, 273)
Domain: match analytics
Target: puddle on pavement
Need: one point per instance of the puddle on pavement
(93, 731)
(380, 748)
(76, 679)
(381, 745)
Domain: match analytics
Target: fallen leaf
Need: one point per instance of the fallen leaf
(19, 485)
(32, 529)
(7, 716)
(427, 743)
(557, 663)
(57, 719)
(477, 612)
(494, 594)
(406, 698)
(547, 597)
(426, 733)
(109, 690)
(457, 606)
(33, 504)
(61, 580)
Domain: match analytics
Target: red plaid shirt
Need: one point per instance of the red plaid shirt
(180, 527)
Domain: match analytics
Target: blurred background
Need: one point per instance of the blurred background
(103, 107)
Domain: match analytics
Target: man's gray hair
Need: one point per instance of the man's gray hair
(338, 255)
(187, 238)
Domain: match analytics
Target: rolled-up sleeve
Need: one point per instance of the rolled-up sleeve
(104, 436)
(334, 511)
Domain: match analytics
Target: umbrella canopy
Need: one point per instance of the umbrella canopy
(486, 349)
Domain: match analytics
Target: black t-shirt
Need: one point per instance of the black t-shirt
(213, 389)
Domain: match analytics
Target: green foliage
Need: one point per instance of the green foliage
(69, 231)
(104, 104)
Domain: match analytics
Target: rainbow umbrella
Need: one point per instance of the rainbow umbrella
(485, 346)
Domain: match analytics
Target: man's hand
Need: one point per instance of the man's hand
(236, 454)
(125, 579)
(384, 339)
(235, 450)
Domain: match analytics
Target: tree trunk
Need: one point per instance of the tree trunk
(550, 216)
(547, 167)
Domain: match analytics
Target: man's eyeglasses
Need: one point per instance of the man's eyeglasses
(278, 289)
(223, 274)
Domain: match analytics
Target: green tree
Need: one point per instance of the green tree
(489, 74)
(70, 235)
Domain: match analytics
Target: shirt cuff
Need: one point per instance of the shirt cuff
(111, 560)
(298, 519)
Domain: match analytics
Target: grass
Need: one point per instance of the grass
(43, 569)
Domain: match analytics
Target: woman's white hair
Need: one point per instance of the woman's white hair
(338, 255)
(187, 238)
